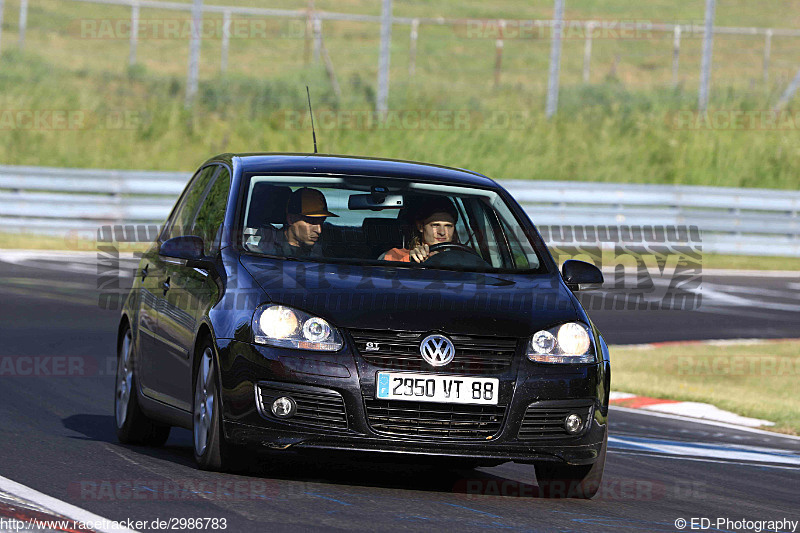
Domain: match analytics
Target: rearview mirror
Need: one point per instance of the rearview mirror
(375, 201)
(580, 276)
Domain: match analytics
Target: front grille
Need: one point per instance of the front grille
(424, 419)
(548, 422)
(320, 409)
(399, 350)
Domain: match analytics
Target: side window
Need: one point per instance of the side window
(462, 231)
(517, 252)
(483, 231)
(208, 223)
(182, 220)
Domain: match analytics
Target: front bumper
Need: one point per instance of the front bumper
(247, 368)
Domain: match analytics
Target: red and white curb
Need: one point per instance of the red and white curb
(33, 507)
(703, 411)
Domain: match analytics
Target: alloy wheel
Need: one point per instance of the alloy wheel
(204, 402)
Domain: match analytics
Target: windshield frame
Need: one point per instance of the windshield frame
(546, 263)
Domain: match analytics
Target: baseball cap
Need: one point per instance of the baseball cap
(309, 203)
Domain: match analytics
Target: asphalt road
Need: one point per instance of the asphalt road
(58, 437)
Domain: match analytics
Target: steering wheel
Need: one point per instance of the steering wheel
(448, 246)
(459, 256)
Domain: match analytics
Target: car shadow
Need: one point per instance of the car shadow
(101, 428)
(93, 427)
(404, 474)
(368, 471)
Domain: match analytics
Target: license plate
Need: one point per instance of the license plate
(437, 388)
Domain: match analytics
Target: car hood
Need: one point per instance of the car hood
(413, 299)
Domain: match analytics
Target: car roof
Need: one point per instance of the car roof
(331, 164)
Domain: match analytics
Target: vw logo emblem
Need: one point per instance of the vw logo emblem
(437, 350)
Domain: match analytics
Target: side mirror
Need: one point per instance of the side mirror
(579, 275)
(186, 250)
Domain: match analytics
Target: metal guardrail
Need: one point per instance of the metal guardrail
(759, 222)
(76, 202)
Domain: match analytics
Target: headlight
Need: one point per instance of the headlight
(568, 343)
(279, 325)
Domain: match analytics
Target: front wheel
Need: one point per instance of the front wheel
(572, 481)
(133, 426)
(211, 451)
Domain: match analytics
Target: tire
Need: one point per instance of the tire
(572, 481)
(211, 451)
(133, 426)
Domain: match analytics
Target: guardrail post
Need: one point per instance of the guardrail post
(309, 31)
(194, 52)
(708, 44)
(23, 22)
(330, 70)
(134, 32)
(382, 104)
(1, 21)
(767, 51)
(226, 39)
(790, 90)
(737, 212)
(317, 39)
(498, 58)
(587, 51)
(412, 52)
(676, 54)
(555, 59)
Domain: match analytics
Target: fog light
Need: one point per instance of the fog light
(573, 423)
(284, 407)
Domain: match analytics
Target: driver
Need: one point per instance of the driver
(435, 223)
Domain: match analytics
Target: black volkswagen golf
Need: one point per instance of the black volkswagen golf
(298, 302)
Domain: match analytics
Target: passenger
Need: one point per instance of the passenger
(435, 223)
(306, 212)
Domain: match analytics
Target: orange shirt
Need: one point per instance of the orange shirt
(398, 254)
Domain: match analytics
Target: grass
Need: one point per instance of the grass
(22, 241)
(745, 262)
(603, 133)
(751, 380)
(620, 128)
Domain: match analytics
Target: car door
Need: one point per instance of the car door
(192, 290)
(153, 275)
(150, 276)
(167, 358)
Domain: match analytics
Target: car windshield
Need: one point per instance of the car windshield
(383, 220)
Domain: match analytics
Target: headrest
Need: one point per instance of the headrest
(268, 205)
(384, 231)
